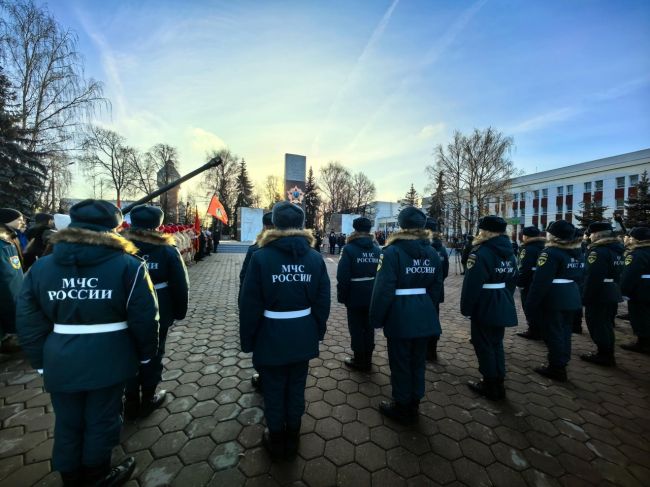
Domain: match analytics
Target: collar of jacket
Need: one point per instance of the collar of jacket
(563, 244)
(357, 235)
(481, 239)
(149, 236)
(640, 244)
(89, 237)
(273, 234)
(604, 241)
(6, 233)
(410, 234)
(533, 240)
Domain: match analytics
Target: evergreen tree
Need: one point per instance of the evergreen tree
(637, 208)
(437, 206)
(311, 200)
(23, 174)
(244, 191)
(591, 212)
(411, 198)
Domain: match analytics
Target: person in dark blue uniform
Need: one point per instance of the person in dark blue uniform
(554, 295)
(407, 290)
(601, 292)
(11, 276)
(285, 304)
(487, 298)
(169, 275)
(87, 317)
(355, 278)
(267, 224)
(532, 245)
(635, 287)
(436, 243)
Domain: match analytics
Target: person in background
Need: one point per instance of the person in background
(531, 247)
(436, 243)
(11, 276)
(340, 242)
(467, 249)
(169, 277)
(285, 303)
(407, 289)
(87, 316)
(355, 276)
(332, 242)
(38, 236)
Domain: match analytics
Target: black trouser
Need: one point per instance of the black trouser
(362, 335)
(488, 345)
(407, 360)
(432, 344)
(87, 427)
(556, 331)
(332, 247)
(639, 317)
(284, 394)
(600, 322)
(531, 319)
(149, 374)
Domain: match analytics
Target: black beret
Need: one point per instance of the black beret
(144, 216)
(98, 215)
(411, 217)
(431, 224)
(562, 229)
(361, 224)
(531, 231)
(492, 223)
(287, 215)
(599, 227)
(43, 218)
(640, 233)
(267, 219)
(9, 214)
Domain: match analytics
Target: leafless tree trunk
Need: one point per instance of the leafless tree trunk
(363, 193)
(336, 187)
(272, 191)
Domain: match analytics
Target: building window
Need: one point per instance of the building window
(634, 180)
(559, 208)
(536, 194)
(522, 196)
(545, 193)
(569, 207)
(515, 213)
(560, 190)
(599, 185)
(588, 187)
(543, 210)
(620, 182)
(515, 196)
(620, 204)
(569, 189)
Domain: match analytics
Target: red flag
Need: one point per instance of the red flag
(216, 209)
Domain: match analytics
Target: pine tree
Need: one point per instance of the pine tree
(591, 212)
(437, 206)
(23, 174)
(411, 198)
(637, 208)
(244, 189)
(311, 200)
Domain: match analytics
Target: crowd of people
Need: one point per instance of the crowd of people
(94, 290)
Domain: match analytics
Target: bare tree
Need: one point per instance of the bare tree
(222, 180)
(271, 191)
(145, 169)
(106, 156)
(475, 169)
(363, 193)
(336, 187)
(54, 97)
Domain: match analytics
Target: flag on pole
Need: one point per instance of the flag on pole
(216, 209)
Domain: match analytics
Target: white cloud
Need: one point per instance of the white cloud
(430, 131)
(203, 141)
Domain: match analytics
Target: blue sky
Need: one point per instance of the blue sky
(373, 84)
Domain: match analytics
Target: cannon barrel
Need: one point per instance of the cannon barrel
(214, 162)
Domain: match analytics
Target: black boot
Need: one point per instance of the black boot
(599, 358)
(105, 476)
(357, 363)
(486, 388)
(555, 373)
(642, 345)
(414, 410)
(432, 350)
(500, 388)
(72, 479)
(292, 440)
(132, 405)
(151, 400)
(529, 335)
(401, 413)
(274, 443)
(256, 382)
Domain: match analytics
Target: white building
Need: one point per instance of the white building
(540, 198)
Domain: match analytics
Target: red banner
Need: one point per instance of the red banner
(216, 209)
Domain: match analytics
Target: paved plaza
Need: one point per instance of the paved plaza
(594, 430)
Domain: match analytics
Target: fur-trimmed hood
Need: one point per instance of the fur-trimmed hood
(274, 234)
(410, 234)
(149, 236)
(6, 233)
(533, 240)
(639, 244)
(572, 244)
(89, 237)
(605, 241)
(358, 235)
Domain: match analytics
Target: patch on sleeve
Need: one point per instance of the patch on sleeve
(14, 260)
(522, 254)
(628, 259)
(593, 256)
(381, 260)
(541, 260)
(471, 260)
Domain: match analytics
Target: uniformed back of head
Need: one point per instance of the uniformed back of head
(146, 217)
(410, 218)
(96, 215)
(43, 218)
(641, 234)
(562, 230)
(267, 220)
(362, 224)
(286, 216)
(493, 224)
(431, 224)
(531, 232)
(598, 230)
